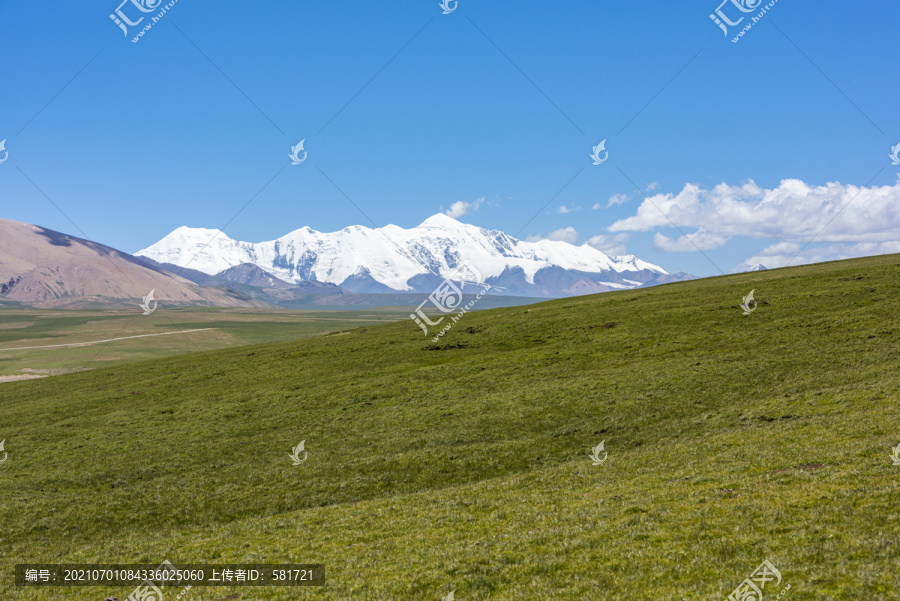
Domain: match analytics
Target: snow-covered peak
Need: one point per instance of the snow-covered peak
(442, 221)
(196, 233)
(200, 248)
(391, 255)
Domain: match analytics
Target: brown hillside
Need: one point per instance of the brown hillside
(50, 269)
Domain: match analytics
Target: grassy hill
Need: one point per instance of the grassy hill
(464, 465)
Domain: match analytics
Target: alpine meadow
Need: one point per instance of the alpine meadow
(464, 465)
(449, 301)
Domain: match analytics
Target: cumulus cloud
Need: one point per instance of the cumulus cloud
(783, 254)
(615, 199)
(618, 199)
(566, 210)
(611, 245)
(563, 234)
(461, 207)
(793, 212)
(699, 240)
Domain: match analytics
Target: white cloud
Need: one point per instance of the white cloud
(611, 245)
(783, 254)
(652, 186)
(566, 210)
(618, 199)
(699, 240)
(461, 207)
(563, 234)
(792, 212)
(615, 199)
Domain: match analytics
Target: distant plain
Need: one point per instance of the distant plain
(92, 334)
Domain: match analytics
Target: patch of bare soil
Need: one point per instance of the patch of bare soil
(17, 378)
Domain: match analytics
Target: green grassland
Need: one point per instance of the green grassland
(463, 465)
(24, 328)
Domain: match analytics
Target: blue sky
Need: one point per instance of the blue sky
(407, 111)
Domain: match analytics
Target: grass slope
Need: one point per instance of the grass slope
(463, 465)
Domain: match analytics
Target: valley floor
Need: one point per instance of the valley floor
(55, 342)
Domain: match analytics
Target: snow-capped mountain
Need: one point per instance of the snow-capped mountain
(393, 259)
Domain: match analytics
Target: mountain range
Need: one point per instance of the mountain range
(355, 268)
(392, 259)
(40, 267)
